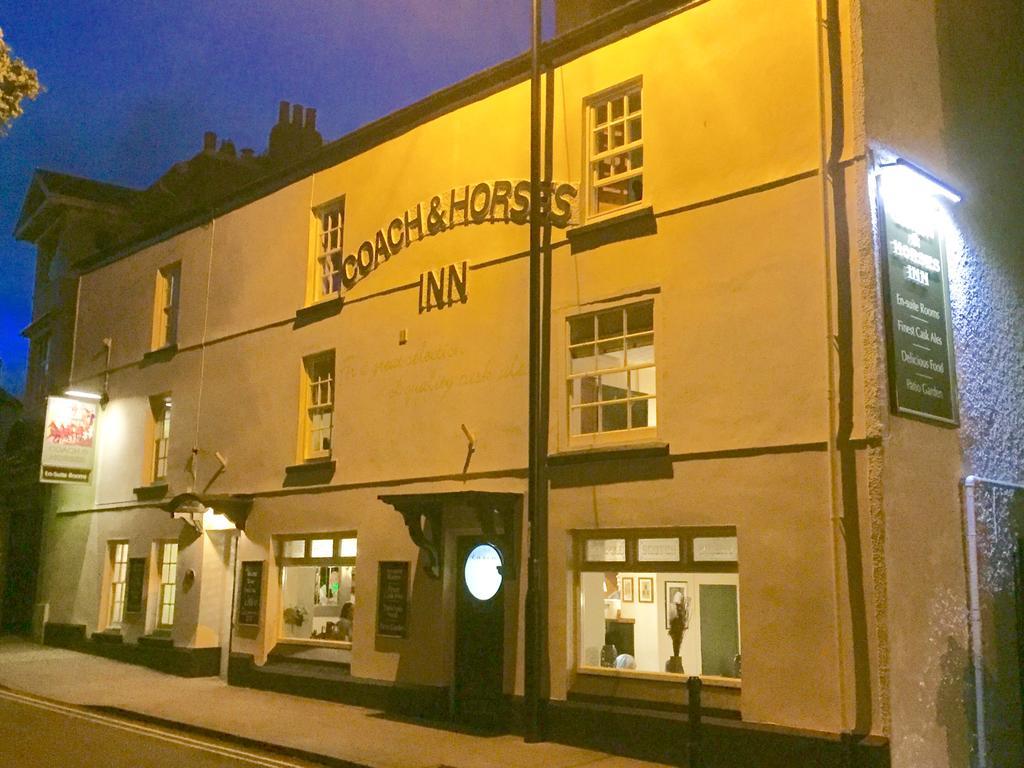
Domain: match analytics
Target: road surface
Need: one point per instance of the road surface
(36, 733)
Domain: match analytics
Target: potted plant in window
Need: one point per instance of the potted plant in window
(295, 616)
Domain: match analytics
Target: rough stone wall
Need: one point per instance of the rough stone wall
(982, 82)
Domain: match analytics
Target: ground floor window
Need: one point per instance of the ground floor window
(660, 600)
(318, 592)
(118, 554)
(168, 580)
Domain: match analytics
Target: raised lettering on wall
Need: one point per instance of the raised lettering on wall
(440, 288)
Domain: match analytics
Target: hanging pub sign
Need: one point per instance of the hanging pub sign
(136, 584)
(922, 380)
(250, 593)
(69, 436)
(393, 599)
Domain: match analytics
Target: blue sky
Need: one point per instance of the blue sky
(132, 86)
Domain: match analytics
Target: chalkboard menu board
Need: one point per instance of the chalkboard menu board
(920, 343)
(250, 593)
(393, 599)
(136, 584)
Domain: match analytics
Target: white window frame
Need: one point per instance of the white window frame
(168, 300)
(626, 368)
(168, 582)
(318, 392)
(329, 231)
(117, 562)
(336, 558)
(626, 151)
(160, 406)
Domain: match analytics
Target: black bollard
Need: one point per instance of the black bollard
(693, 711)
(848, 746)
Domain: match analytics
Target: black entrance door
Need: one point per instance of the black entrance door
(479, 635)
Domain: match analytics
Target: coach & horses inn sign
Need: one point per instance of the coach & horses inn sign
(502, 201)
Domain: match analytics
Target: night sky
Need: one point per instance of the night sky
(132, 86)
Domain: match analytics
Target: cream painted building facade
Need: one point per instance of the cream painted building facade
(336, 366)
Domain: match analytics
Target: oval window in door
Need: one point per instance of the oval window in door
(481, 572)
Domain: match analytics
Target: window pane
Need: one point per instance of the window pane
(613, 417)
(606, 550)
(640, 349)
(322, 548)
(294, 548)
(635, 130)
(609, 324)
(585, 390)
(348, 548)
(613, 386)
(601, 114)
(583, 421)
(634, 101)
(642, 382)
(610, 354)
(601, 140)
(582, 359)
(617, 105)
(581, 329)
(719, 630)
(640, 317)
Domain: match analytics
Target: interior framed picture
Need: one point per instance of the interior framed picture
(676, 600)
(627, 589)
(645, 586)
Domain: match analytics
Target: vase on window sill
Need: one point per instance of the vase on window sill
(674, 665)
(608, 654)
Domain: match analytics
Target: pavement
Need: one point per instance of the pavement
(318, 731)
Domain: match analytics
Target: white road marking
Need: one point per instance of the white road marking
(71, 711)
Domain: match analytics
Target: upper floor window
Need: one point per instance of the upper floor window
(161, 410)
(39, 365)
(168, 290)
(611, 370)
(327, 270)
(318, 408)
(615, 149)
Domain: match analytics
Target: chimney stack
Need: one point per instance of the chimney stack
(248, 154)
(295, 134)
(227, 147)
(209, 142)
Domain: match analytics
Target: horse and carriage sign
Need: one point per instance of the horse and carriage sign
(69, 438)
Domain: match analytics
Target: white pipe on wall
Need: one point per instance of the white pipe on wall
(974, 605)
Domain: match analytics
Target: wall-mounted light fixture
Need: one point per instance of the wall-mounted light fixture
(905, 178)
(84, 394)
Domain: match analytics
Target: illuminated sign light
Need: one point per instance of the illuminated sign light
(906, 178)
(83, 395)
(482, 572)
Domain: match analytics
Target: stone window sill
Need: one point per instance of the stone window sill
(321, 310)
